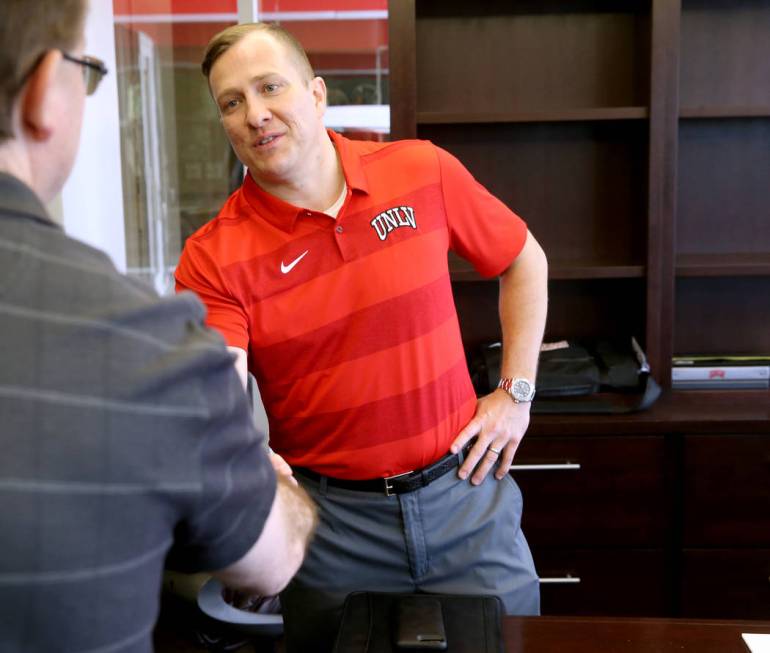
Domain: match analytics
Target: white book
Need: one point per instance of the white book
(721, 373)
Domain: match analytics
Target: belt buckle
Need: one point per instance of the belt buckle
(388, 487)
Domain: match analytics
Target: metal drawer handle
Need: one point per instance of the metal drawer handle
(544, 467)
(563, 580)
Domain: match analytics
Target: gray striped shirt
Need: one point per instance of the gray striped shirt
(126, 442)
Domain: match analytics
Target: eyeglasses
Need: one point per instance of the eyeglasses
(93, 70)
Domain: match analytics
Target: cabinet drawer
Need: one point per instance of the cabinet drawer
(726, 583)
(592, 491)
(727, 491)
(602, 582)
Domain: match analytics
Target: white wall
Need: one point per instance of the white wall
(92, 198)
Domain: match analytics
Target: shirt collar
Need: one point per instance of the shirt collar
(284, 215)
(17, 198)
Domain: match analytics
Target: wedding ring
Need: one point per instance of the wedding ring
(493, 450)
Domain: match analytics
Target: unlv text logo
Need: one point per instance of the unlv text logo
(387, 221)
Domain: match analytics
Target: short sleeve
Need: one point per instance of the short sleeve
(482, 229)
(198, 271)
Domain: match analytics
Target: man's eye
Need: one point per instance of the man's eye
(271, 88)
(230, 104)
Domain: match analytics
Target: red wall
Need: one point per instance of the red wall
(128, 7)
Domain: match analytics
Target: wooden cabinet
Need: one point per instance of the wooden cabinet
(726, 486)
(634, 138)
(664, 513)
(656, 524)
(726, 583)
(595, 517)
(593, 491)
(726, 526)
(601, 581)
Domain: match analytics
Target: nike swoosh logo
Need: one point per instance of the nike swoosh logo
(288, 268)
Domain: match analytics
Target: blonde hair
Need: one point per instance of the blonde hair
(227, 38)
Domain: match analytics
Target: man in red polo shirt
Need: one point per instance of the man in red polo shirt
(327, 274)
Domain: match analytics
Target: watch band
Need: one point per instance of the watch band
(512, 385)
(505, 383)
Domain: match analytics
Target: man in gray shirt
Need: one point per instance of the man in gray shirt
(126, 437)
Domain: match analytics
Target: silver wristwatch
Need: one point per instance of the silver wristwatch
(520, 389)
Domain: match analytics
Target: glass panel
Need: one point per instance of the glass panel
(347, 44)
(177, 165)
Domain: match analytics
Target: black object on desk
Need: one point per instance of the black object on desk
(370, 623)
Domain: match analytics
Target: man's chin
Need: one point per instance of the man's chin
(269, 175)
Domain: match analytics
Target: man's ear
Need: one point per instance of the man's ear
(318, 86)
(37, 101)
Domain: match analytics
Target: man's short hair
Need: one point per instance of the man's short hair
(29, 29)
(227, 38)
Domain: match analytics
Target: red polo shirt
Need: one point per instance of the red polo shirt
(350, 324)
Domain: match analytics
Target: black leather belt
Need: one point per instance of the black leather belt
(399, 484)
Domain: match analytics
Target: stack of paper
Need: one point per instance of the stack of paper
(717, 372)
(757, 643)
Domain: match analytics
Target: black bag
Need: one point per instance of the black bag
(604, 376)
(370, 623)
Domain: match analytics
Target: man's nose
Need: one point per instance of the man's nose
(258, 113)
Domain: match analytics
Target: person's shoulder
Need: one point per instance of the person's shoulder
(98, 287)
(404, 147)
(411, 156)
(69, 286)
(76, 269)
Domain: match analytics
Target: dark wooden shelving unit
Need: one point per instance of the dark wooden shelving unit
(633, 146)
(722, 218)
(633, 136)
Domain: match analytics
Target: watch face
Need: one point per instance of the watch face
(521, 389)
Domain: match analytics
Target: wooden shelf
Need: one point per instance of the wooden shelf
(680, 411)
(722, 265)
(725, 112)
(566, 270)
(461, 270)
(553, 115)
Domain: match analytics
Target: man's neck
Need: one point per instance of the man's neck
(13, 162)
(318, 186)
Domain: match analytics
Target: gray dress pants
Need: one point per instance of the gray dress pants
(449, 537)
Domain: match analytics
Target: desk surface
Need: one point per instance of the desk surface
(557, 635)
(626, 635)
